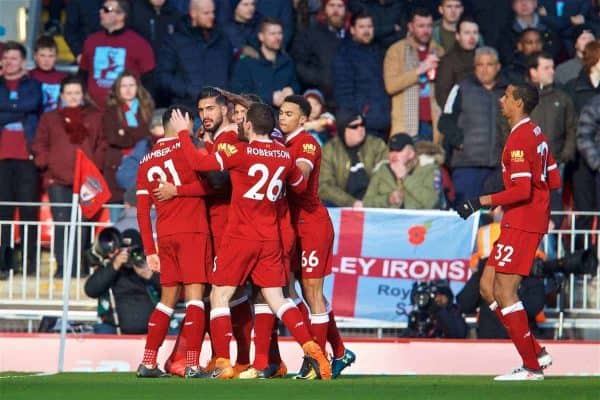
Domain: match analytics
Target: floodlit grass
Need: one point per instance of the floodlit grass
(109, 386)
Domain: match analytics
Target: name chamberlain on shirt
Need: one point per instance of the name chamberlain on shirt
(453, 270)
(160, 152)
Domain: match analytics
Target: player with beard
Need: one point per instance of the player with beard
(220, 134)
(314, 230)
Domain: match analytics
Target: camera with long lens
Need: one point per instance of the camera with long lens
(580, 262)
(422, 298)
(111, 239)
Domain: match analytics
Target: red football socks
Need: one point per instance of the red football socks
(221, 331)
(319, 324)
(263, 327)
(192, 331)
(293, 321)
(158, 325)
(515, 319)
(241, 319)
(334, 338)
(494, 307)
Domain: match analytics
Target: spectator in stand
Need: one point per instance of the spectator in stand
(526, 17)
(357, 82)
(126, 121)
(242, 29)
(83, 19)
(472, 126)
(410, 178)
(458, 63)
(388, 19)
(555, 112)
(109, 52)
(445, 29)
(564, 17)
(569, 69)
(20, 106)
(44, 55)
(529, 42)
(53, 25)
(76, 124)
(409, 70)
(492, 18)
(307, 12)
(272, 76)
(348, 162)
(281, 10)
(320, 123)
(154, 20)
(197, 55)
(127, 171)
(587, 84)
(223, 10)
(313, 49)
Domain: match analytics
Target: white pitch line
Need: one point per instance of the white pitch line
(29, 375)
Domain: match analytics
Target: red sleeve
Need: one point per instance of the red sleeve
(84, 61)
(144, 203)
(554, 181)
(520, 190)
(199, 159)
(295, 180)
(308, 153)
(195, 189)
(520, 175)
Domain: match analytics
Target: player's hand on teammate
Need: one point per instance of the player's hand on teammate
(466, 208)
(153, 262)
(165, 191)
(180, 122)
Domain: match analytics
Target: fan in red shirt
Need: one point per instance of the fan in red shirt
(529, 173)
(314, 231)
(251, 247)
(184, 250)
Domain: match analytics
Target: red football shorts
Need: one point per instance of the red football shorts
(288, 241)
(514, 251)
(314, 250)
(240, 259)
(184, 258)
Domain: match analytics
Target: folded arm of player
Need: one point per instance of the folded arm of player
(296, 180)
(305, 166)
(520, 190)
(166, 190)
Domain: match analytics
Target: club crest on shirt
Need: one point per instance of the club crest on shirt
(517, 156)
(227, 148)
(309, 148)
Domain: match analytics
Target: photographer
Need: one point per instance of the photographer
(126, 289)
(434, 313)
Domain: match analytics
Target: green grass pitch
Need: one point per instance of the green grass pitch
(109, 386)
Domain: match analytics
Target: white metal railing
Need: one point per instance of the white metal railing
(580, 294)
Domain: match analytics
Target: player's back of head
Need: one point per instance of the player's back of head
(301, 102)
(528, 94)
(166, 117)
(262, 118)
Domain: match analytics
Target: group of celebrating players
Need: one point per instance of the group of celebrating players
(239, 221)
(251, 233)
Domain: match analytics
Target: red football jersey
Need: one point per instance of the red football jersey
(527, 155)
(167, 162)
(218, 204)
(259, 172)
(306, 207)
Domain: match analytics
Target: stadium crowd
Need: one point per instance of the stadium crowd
(404, 95)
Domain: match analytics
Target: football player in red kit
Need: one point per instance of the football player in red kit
(529, 173)
(315, 234)
(184, 250)
(251, 247)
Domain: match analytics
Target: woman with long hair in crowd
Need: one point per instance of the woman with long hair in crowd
(75, 124)
(126, 120)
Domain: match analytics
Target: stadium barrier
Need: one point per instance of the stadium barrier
(29, 295)
(106, 353)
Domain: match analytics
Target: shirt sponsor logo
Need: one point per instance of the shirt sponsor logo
(309, 148)
(227, 148)
(517, 156)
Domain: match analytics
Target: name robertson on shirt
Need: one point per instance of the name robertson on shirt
(253, 151)
(160, 152)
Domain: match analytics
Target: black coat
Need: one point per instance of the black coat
(154, 26)
(313, 50)
(386, 18)
(83, 19)
(581, 90)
